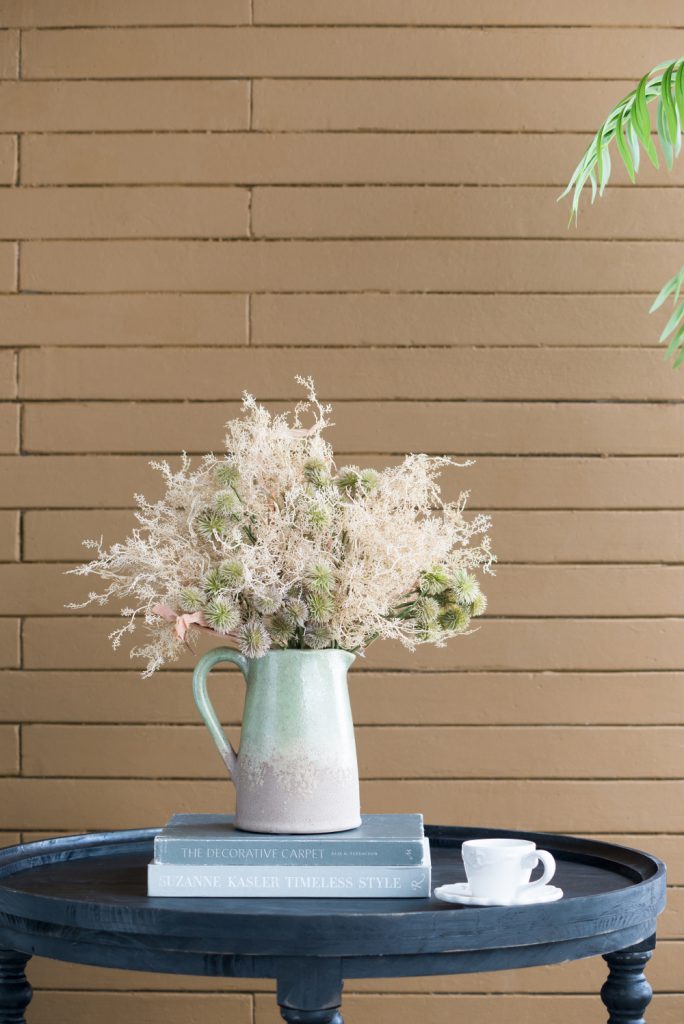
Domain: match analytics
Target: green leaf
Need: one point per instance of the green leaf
(675, 282)
(642, 121)
(669, 107)
(634, 146)
(676, 342)
(679, 89)
(623, 148)
(605, 171)
(665, 144)
(673, 321)
(678, 361)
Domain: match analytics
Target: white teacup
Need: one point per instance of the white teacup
(500, 869)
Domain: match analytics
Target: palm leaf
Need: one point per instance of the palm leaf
(629, 123)
(675, 325)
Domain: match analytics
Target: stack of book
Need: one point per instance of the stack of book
(206, 855)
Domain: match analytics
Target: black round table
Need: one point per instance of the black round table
(83, 899)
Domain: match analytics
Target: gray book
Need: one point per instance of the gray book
(353, 882)
(380, 840)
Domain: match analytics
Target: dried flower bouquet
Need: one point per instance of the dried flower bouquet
(271, 546)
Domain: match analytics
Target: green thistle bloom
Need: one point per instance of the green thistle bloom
(191, 599)
(222, 615)
(348, 480)
(227, 474)
(426, 611)
(227, 503)
(233, 574)
(215, 583)
(369, 480)
(466, 587)
(296, 611)
(431, 635)
(317, 638)
(454, 619)
(318, 514)
(320, 578)
(281, 629)
(211, 524)
(320, 607)
(267, 604)
(316, 473)
(254, 639)
(479, 606)
(433, 581)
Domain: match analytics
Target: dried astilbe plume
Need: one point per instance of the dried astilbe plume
(273, 546)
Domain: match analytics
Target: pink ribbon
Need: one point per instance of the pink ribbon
(182, 623)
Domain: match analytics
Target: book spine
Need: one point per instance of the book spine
(379, 852)
(348, 882)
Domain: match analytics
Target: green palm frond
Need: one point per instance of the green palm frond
(629, 124)
(675, 325)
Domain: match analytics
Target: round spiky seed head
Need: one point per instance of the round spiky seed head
(466, 587)
(254, 639)
(320, 578)
(348, 480)
(479, 606)
(426, 611)
(281, 629)
(267, 604)
(233, 574)
(223, 616)
(454, 619)
(433, 581)
(227, 474)
(431, 635)
(320, 607)
(369, 480)
(296, 611)
(227, 503)
(215, 583)
(191, 599)
(317, 638)
(316, 473)
(318, 515)
(211, 524)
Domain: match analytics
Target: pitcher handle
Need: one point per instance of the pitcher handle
(206, 708)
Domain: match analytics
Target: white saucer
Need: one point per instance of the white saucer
(459, 892)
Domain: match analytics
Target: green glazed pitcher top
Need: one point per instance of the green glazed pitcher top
(296, 705)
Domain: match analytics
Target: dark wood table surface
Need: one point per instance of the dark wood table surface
(83, 899)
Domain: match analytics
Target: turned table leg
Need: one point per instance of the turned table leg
(15, 991)
(310, 991)
(627, 993)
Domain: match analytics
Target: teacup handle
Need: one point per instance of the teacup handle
(549, 868)
(206, 708)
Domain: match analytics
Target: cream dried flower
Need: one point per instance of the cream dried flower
(272, 544)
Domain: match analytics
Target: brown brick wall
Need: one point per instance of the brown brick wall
(198, 198)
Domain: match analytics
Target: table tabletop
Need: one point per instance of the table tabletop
(83, 899)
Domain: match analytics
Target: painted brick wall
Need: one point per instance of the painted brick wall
(203, 197)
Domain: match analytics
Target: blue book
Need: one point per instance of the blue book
(381, 840)
(342, 882)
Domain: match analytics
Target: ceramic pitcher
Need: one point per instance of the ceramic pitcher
(296, 768)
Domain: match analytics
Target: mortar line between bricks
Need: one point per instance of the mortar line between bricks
(361, 671)
(414, 27)
(30, 400)
(239, 237)
(198, 727)
(362, 77)
(225, 186)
